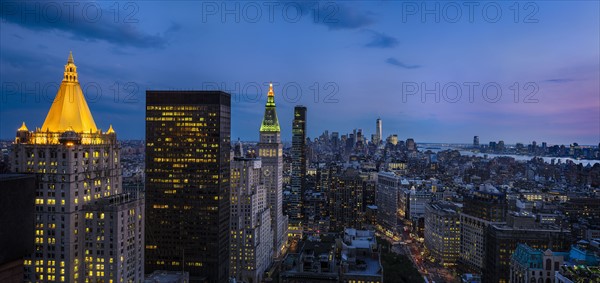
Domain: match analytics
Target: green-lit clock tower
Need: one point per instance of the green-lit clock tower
(270, 151)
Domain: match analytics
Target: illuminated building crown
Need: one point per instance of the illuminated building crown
(69, 111)
(270, 122)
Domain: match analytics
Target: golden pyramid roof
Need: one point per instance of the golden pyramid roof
(110, 130)
(23, 128)
(69, 109)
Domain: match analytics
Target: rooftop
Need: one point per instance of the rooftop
(69, 111)
(162, 276)
(359, 253)
(577, 273)
(6, 177)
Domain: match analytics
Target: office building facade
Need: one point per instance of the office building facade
(251, 238)
(480, 209)
(187, 183)
(442, 232)
(387, 200)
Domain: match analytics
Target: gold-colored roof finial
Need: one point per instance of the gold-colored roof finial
(23, 128)
(70, 60)
(110, 130)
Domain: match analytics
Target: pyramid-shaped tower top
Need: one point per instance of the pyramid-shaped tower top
(270, 122)
(110, 130)
(69, 109)
(23, 128)
(271, 96)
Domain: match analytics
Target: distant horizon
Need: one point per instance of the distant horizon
(416, 141)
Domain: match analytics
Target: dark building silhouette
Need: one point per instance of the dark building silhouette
(489, 206)
(17, 197)
(345, 197)
(577, 208)
(295, 211)
(187, 183)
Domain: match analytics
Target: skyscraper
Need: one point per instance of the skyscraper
(378, 132)
(480, 210)
(387, 201)
(411, 145)
(476, 141)
(78, 167)
(345, 200)
(187, 183)
(442, 231)
(270, 150)
(251, 235)
(296, 207)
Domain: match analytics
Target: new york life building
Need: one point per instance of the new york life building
(86, 229)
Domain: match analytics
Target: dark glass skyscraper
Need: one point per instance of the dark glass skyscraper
(295, 211)
(187, 183)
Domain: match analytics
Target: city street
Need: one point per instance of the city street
(432, 272)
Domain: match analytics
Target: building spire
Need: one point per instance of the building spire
(271, 96)
(70, 60)
(271, 93)
(70, 70)
(270, 122)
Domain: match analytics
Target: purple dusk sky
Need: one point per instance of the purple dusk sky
(524, 71)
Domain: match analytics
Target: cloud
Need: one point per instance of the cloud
(394, 62)
(48, 16)
(559, 81)
(334, 15)
(174, 27)
(337, 16)
(381, 40)
(26, 60)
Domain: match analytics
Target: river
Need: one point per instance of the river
(585, 162)
(517, 157)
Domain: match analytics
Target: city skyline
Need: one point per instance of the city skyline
(370, 55)
(294, 141)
